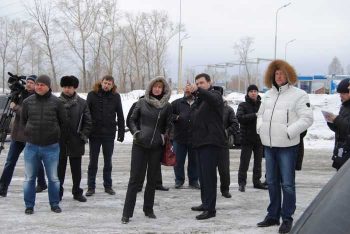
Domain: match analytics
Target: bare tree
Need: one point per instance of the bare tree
(4, 44)
(79, 16)
(41, 14)
(335, 67)
(243, 47)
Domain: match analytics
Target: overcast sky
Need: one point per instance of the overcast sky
(321, 29)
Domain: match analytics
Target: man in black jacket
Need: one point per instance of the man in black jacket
(181, 141)
(18, 142)
(208, 140)
(75, 135)
(105, 105)
(246, 115)
(43, 116)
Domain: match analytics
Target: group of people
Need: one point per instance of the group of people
(52, 129)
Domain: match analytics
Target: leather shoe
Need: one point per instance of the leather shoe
(125, 220)
(286, 226)
(90, 192)
(56, 209)
(195, 185)
(29, 211)
(80, 198)
(150, 215)
(39, 189)
(178, 185)
(206, 215)
(3, 193)
(241, 188)
(162, 188)
(226, 194)
(198, 208)
(110, 191)
(260, 186)
(268, 222)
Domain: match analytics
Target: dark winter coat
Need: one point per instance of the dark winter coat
(43, 117)
(207, 119)
(181, 119)
(17, 133)
(104, 108)
(341, 128)
(76, 133)
(230, 121)
(246, 115)
(151, 118)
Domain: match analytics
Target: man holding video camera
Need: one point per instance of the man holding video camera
(18, 141)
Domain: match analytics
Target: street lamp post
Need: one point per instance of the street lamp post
(179, 67)
(285, 49)
(276, 25)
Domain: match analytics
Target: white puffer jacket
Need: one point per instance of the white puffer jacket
(283, 115)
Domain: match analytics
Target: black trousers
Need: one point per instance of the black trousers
(159, 180)
(224, 170)
(140, 158)
(208, 160)
(246, 154)
(75, 168)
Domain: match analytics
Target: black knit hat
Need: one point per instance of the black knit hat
(343, 86)
(252, 87)
(69, 81)
(32, 77)
(45, 79)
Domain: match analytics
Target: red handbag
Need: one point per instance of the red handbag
(169, 156)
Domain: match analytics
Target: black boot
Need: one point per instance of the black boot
(286, 226)
(226, 194)
(241, 188)
(90, 192)
(80, 198)
(268, 222)
(206, 215)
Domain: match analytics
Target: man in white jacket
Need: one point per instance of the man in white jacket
(284, 114)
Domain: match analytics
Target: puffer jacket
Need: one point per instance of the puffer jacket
(43, 118)
(151, 118)
(77, 130)
(283, 115)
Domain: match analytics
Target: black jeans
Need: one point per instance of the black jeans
(75, 168)
(140, 158)
(16, 148)
(95, 144)
(224, 170)
(246, 154)
(208, 160)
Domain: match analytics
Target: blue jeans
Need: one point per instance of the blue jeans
(107, 144)
(16, 148)
(181, 150)
(33, 154)
(280, 173)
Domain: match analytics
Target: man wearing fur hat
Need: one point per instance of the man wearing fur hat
(105, 105)
(18, 142)
(285, 113)
(43, 116)
(74, 135)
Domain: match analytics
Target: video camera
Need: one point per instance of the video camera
(16, 83)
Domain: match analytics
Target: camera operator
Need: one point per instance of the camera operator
(18, 141)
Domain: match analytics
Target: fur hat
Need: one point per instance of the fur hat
(45, 79)
(252, 87)
(69, 81)
(32, 77)
(275, 65)
(343, 86)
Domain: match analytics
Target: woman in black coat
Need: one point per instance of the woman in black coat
(149, 122)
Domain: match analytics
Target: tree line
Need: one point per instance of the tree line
(88, 39)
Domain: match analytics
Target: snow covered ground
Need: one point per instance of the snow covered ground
(102, 212)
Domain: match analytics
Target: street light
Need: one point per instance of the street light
(276, 24)
(179, 84)
(179, 80)
(285, 49)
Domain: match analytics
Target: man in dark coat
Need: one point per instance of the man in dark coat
(105, 105)
(182, 108)
(18, 142)
(340, 124)
(74, 136)
(231, 128)
(43, 116)
(246, 114)
(208, 140)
